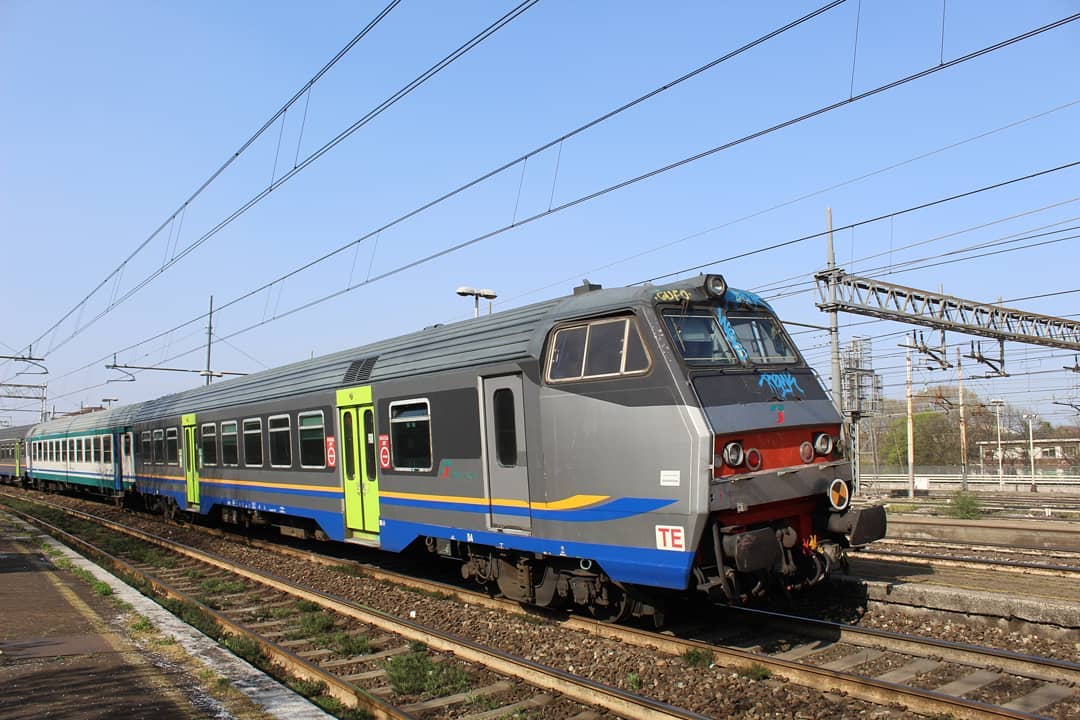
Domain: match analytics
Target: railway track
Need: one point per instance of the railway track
(974, 556)
(1050, 535)
(871, 665)
(322, 639)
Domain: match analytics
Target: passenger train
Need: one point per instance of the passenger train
(603, 449)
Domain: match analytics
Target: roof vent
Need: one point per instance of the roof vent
(359, 370)
(586, 287)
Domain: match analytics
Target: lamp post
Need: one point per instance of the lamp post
(1031, 418)
(997, 413)
(109, 401)
(476, 294)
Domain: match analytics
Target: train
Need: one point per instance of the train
(604, 450)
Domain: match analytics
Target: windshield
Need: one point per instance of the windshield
(700, 338)
(710, 336)
(763, 339)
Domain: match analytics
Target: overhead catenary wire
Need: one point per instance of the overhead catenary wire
(685, 161)
(297, 169)
(179, 211)
(792, 201)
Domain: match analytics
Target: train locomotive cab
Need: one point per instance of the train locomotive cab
(780, 488)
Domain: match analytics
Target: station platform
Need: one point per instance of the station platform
(58, 655)
(65, 651)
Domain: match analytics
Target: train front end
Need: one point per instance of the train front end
(780, 491)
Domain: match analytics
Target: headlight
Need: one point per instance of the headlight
(753, 459)
(806, 452)
(733, 454)
(823, 444)
(715, 285)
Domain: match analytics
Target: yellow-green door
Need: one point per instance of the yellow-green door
(191, 456)
(359, 475)
(18, 458)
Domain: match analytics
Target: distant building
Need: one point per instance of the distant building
(1052, 456)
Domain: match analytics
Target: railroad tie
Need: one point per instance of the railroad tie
(1039, 698)
(853, 660)
(905, 674)
(968, 683)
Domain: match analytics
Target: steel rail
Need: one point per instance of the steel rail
(855, 686)
(567, 684)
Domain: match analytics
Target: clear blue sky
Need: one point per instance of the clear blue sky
(114, 113)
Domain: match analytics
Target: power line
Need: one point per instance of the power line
(666, 168)
(258, 197)
(229, 161)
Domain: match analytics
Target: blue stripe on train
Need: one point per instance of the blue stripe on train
(612, 510)
(644, 566)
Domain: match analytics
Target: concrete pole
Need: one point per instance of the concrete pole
(1031, 448)
(910, 426)
(1001, 471)
(963, 426)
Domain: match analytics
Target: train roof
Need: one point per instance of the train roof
(15, 433)
(510, 335)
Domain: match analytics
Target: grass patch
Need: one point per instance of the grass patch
(311, 624)
(901, 507)
(306, 606)
(964, 506)
(194, 574)
(350, 570)
(697, 658)
(246, 648)
(217, 586)
(757, 672)
(141, 624)
(633, 681)
(344, 643)
(415, 673)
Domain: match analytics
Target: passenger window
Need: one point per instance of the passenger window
(312, 440)
(229, 451)
(127, 444)
(172, 446)
(410, 435)
(209, 445)
(603, 355)
(106, 449)
(70, 451)
(280, 441)
(349, 440)
(80, 450)
(145, 452)
(253, 453)
(96, 440)
(505, 427)
(598, 349)
(567, 354)
(159, 447)
(369, 443)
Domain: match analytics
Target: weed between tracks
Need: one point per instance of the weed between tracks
(417, 673)
(964, 506)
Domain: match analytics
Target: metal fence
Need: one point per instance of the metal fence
(949, 479)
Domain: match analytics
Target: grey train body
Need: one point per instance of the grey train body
(600, 449)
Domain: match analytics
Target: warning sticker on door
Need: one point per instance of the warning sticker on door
(384, 452)
(331, 451)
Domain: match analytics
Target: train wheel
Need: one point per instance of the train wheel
(617, 607)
